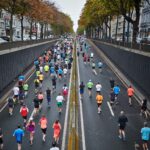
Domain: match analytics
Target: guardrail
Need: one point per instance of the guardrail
(15, 44)
(137, 46)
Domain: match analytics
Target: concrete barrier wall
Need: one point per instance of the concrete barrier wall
(12, 64)
(135, 66)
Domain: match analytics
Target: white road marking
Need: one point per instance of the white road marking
(66, 116)
(110, 108)
(10, 92)
(81, 113)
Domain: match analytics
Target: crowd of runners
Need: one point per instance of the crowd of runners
(54, 64)
(84, 51)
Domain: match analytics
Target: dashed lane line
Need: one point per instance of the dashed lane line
(110, 108)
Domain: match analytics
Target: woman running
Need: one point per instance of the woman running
(82, 86)
(57, 130)
(40, 98)
(31, 128)
(65, 91)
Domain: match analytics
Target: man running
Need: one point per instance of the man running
(65, 91)
(82, 86)
(90, 86)
(145, 133)
(19, 133)
(116, 90)
(99, 99)
(59, 100)
(98, 88)
(16, 93)
(54, 83)
(100, 64)
(122, 120)
(10, 105)
(130, 92)
(48, 96)
(1, 140)
(43, 124)
(25, 88)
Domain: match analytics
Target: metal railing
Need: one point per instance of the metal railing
(137, 46)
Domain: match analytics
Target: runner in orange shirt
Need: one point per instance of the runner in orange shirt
(57, 129)
(99, 99)
(130, 92)
(43, 123)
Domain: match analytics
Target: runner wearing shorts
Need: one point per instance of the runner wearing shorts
(99, 99)
(19, 133)
(43, 124)
(59, 100)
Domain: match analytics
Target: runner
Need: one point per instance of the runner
(43, 124)
(116, 90)
(99, 99)
(60, 73)
(59, 100)
(48, 96)
(1, 139)
(54, 147)
(91, 56)
(54, 83)
(10, 105)
(145, 133)
(98, 88)
(16, 94)
(65, 91)
(112, 83)
(41, 68)
(31, 128)
(41, 78)
(21, 97)
(90, 86)
(100, 64)
(46, 69)
(19, 133)
(112, 99)
(130, 92)
(25, 88)
(65, 72)
(36, 105)
(122, 120)
(40, 98)
(144, 108)
(57, 130)
(93, 68)
(82, 86)
(24, 113)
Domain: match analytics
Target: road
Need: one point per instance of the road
(101, 131)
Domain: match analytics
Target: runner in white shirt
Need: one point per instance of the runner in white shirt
(16, 93)
(98, 88)
(41, 69)
(59, 100)
(65, 72)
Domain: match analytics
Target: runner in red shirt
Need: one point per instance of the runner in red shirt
(57, 130)
(24, 113)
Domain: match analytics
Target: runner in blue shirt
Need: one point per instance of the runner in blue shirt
(60, 72)
(145, 133)
(18, 133)
(116, 90)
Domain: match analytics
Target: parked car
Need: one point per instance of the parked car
(6, 38)
(145, 40)
(3, 41)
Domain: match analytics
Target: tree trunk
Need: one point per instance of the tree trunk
(31, 25)
(110, 28)
(21, 21)
(123, 35)
(116, 28)
(11, 27)
(41, 33)
(36, 30)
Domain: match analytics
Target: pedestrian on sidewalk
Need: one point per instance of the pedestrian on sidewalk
(57, 130)
(99, 99)
(1, 139)
(144, 108)
(130, 92)
(31, 128)
(145, 133)
(43, 124)
(19, 133)
(122, 120)
(24, 113)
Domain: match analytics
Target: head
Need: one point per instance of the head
(122, 113)
(59, 94)
(145, 124)
(130, 86)
(65, 85)
(19, 126)
(43, 116)
(48, 88)
(53, 144)
(90, 80)
(145, 101)
(57, 121)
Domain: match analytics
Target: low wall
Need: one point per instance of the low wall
(135, 66)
